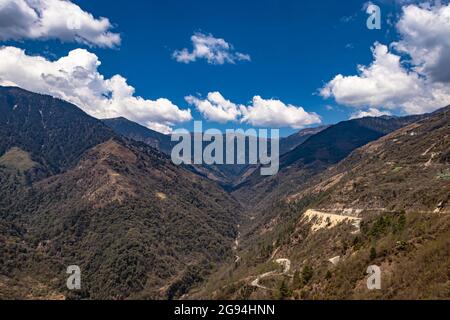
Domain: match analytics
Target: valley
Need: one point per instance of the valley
(197, 155)
(373, 210)
(107, 197)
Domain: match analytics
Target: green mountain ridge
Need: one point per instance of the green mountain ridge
(138, 226)
(135, 131)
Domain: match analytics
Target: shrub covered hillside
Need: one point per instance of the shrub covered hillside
(387, 204)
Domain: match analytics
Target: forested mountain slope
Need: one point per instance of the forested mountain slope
(135, 131)
(75, 193)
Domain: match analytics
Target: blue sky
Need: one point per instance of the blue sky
(296, 48)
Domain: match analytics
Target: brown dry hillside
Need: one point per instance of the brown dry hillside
(394, 197)
(264, 196)
(405, 170)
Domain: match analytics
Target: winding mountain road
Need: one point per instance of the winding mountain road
(286, 263)
(236, 244)
(321, 220)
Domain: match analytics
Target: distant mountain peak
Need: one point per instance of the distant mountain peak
(137, 132)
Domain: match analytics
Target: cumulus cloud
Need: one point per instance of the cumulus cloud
(76, 78)
(371, 112)
(385, 82)
(261, 113)
(216, 108)
(275, 113)
(54, 19)
(214, 50)
(388, 83)
(425, 34)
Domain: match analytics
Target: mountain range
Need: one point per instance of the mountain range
(386, 204)
(226, 175)
(76, 193)
(104, 195)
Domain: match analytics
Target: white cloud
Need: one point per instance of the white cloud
(388, 83)
(216, 108)
(275, 113)
(371, 112)
(159, 127)
(261, 113)
(214, 50)
(75, 78)
(54, 19)
(425, 36)
(384, 83)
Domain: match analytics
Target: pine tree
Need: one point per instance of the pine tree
(284, 291)
(307, 274)
(373, 254)
(297, 281)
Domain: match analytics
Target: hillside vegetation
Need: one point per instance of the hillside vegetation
(138, 226)
(397, 188)
(75, 191)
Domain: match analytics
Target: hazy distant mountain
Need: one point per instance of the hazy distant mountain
(74, 192)
(137, 132)
(293, 141)
(227, 175)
